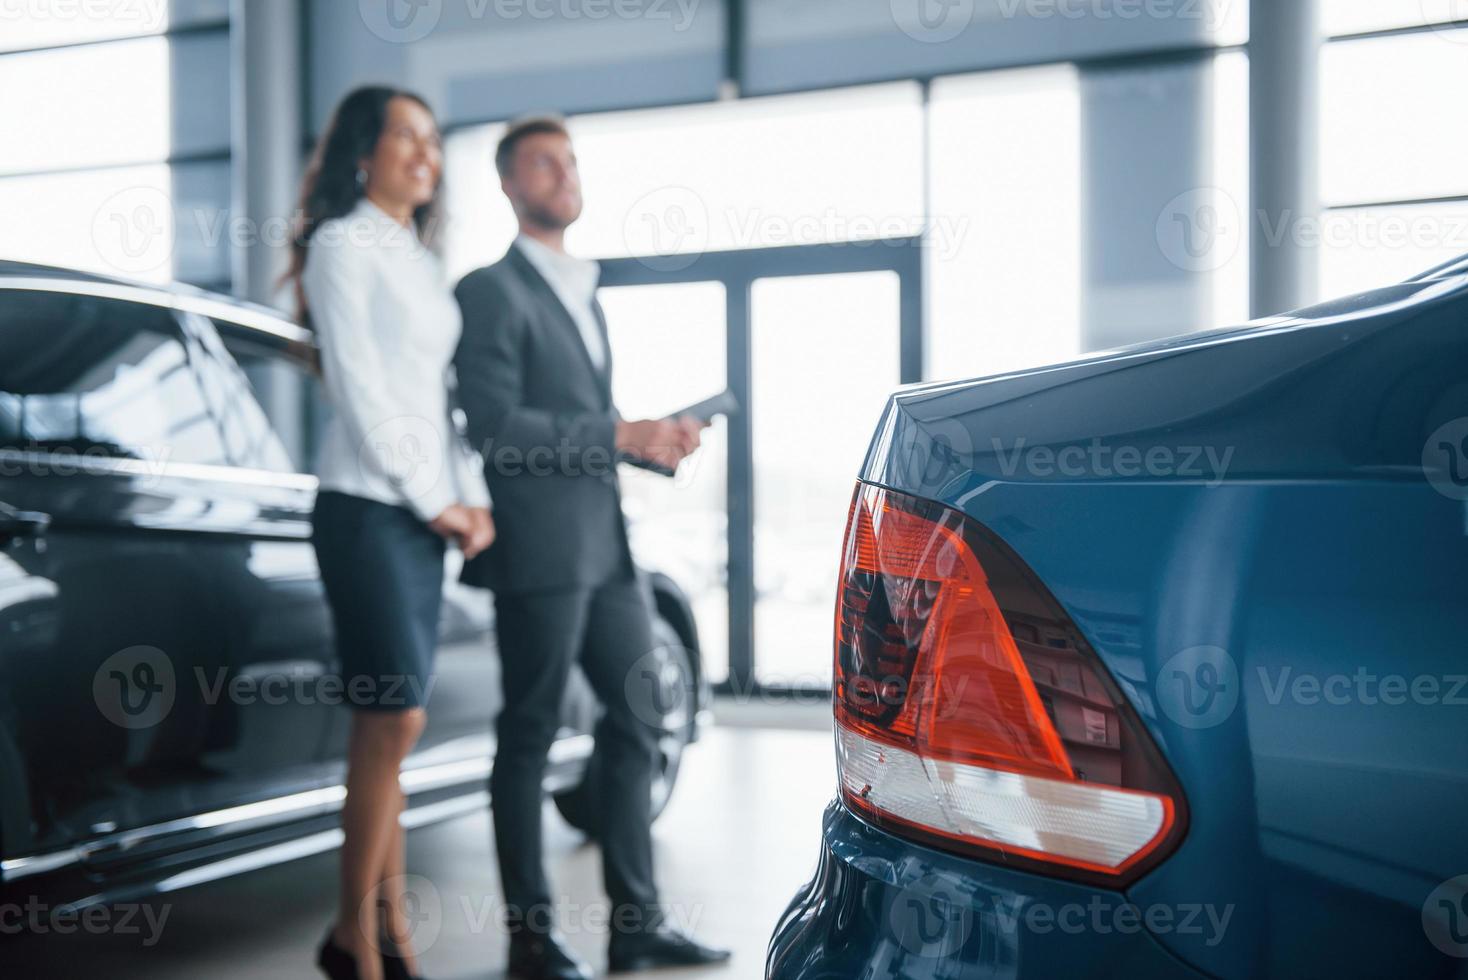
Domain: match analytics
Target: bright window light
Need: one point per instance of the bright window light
(87, 106)
(46, 23)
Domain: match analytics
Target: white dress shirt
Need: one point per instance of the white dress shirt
(574, 282)
(388, 324)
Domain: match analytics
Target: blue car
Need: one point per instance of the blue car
(1155, 664)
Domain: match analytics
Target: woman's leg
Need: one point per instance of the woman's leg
(396, 921)
(379, 743)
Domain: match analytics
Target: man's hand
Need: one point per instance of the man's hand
(471, 528)
(666, 442)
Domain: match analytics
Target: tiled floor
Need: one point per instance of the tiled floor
(739, 837)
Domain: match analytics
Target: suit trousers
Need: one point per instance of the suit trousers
(606, 630)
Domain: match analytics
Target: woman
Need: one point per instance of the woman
(397, 482)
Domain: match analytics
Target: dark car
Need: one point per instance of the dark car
(170, 708)
(1151, 664)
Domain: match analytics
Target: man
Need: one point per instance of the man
(534, 369)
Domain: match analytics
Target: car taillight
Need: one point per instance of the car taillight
(972, 715)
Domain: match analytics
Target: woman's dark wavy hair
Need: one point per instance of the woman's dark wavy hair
(330, 189)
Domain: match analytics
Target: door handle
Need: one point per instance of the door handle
(22, 523)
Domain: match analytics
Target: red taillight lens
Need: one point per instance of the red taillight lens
(972, 715)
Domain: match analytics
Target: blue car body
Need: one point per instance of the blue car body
(1263, 534)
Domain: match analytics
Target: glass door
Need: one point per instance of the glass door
(825, 353)
(811, 339)
(669, 350)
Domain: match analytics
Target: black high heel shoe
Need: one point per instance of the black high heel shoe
(336, 962)
(393, 966)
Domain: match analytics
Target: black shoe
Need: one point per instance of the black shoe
(336, 962)
(393, 967)
(629, 952)
(541, 956)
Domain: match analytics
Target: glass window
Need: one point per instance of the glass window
(115, 222)
(43, 23)
(480, 224)
(1004, 239)
(792, 170)
(1228, 136)
(86, 106)
(100, 377)
(1391, 126)
(1363, 248)
(249, 439)
(1360, 16)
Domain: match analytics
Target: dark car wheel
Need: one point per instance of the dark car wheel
(670, 669)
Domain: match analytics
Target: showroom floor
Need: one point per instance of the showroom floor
(739, 837)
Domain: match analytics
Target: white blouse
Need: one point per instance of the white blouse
(388, 325)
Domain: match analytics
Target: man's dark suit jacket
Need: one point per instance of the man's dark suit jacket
(542, 415)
